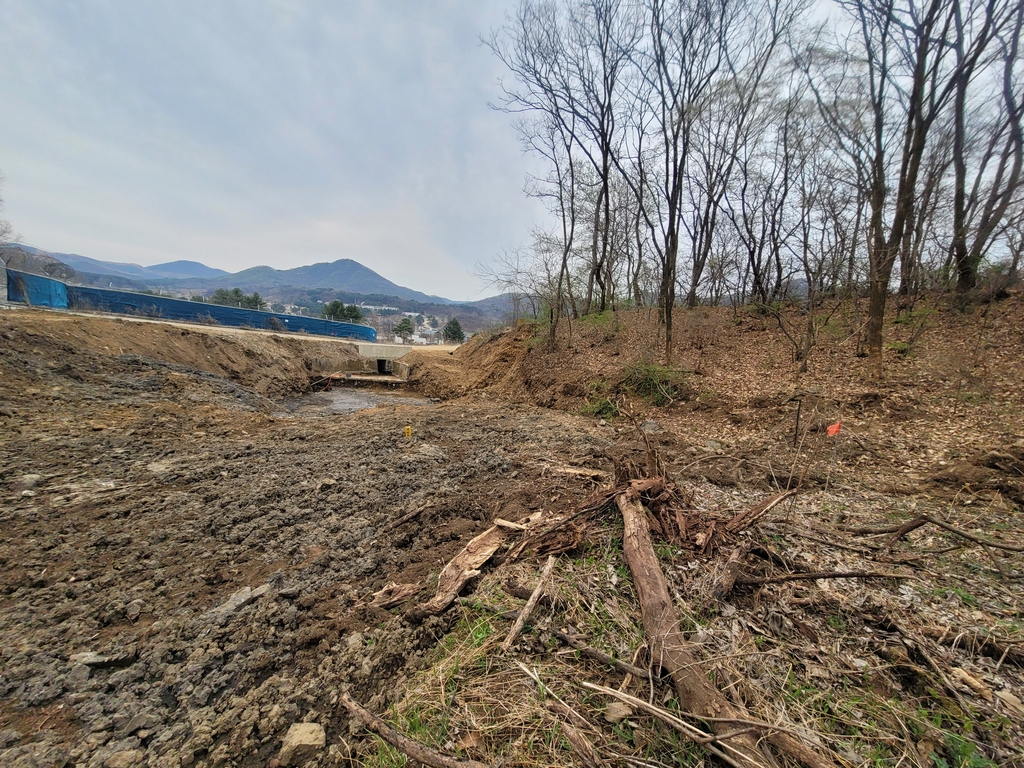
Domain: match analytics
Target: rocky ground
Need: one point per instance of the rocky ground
(189, 548)
(184, 564)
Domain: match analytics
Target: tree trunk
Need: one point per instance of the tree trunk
(661, 625)
(595, 266)
(671, 650)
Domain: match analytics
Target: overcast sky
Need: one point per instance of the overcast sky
(279, 132)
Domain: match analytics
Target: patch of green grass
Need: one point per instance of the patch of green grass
(902, 348)
(915, 317)
(965, 597)
(962, 754)
(601, 407)
(598, 319)
(480, 632)
(386, 756)
(837, 623)
(598, 403)
(607, 323)
(657, 384)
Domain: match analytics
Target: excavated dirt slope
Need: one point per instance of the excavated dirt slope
(141, 495)
(188, 555)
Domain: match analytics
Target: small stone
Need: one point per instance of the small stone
(126, 758)
(9, 736)
(89, 659)
(288, 592)
(101, 724)
(650, 427)
(97, 740)
(79, 673)
(139, 722)
(616, 712)
(134, 609)
(26, 482)
(237, 601)
(260, 591)
(301, 743)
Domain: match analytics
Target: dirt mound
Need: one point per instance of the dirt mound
(953, 381)
(185, 570)
(487, 361)
(274, 365)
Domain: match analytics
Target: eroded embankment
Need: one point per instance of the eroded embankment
(274, 365)
(141, 500)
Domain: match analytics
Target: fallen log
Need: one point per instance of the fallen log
(748, 517)
(412, 749)
(524, 615)
(458, 572)
(671, 650)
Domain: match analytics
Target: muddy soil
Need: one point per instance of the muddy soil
(185, 562)
(343, 399)
(189, 546)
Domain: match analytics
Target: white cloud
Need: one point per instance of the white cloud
(262, 133)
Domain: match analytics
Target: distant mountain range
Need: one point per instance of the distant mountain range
(174, 270)
(344, 278)
(342, 275)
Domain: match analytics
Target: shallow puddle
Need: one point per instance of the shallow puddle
(345, 400)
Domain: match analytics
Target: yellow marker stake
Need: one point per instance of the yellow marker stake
(408, 432)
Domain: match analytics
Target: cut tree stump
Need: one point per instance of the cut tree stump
(730, 571)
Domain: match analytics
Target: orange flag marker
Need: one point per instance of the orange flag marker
(835, 428)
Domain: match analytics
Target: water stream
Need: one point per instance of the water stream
(345, 400)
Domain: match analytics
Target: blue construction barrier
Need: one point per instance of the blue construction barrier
(36, 290)
(46, 292)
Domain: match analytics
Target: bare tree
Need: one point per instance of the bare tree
(684, 52)
(881, 98)
(554, 141)
(568, 65)
(980, 212)
(740, 105)
(7, 235)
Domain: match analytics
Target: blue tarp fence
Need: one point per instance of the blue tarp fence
(39, 291)
(47, 292)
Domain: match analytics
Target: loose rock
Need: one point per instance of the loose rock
(301, 743)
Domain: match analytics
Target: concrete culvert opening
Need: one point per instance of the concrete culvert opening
(383, 366)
